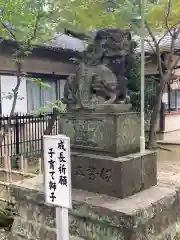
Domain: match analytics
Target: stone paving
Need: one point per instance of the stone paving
(169, 172)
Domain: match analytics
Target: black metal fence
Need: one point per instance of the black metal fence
(25, 134)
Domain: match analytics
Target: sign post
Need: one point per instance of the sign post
(142, 137)
(57, 170)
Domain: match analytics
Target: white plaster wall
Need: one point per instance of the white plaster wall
(172, 122)
(7, 84)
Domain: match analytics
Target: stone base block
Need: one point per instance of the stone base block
(106, 133)
(113, 108)
(148, 215)
(118, 177)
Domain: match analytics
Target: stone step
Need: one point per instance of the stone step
(150, 214)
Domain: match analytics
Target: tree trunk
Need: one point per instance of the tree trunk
(48, 131)
(155, 112)
(4, 132)
(51, 122)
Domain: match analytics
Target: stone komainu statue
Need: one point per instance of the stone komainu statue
(101, 68)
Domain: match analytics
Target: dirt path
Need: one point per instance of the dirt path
(169, 172)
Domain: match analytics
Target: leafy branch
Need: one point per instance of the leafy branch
(165, 74)
(20, 54)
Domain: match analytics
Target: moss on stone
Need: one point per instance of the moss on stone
(7, 216)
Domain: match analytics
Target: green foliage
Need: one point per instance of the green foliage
(49, 107)
(22, 19)
(39, 83)
(150, 91)
(10, 96)
(158, 17)
(177, 231)
(85, 15)
(133, 75)
(6, 216)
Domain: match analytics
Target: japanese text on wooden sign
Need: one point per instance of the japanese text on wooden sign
(57, 170)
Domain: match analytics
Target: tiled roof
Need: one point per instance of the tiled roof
(62, 41)
(164, 44)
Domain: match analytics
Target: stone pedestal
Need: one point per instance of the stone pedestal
(148, 215)
(110, 133)
(103, 145)
(118, 177)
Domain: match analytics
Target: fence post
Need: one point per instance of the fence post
(17, 134)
